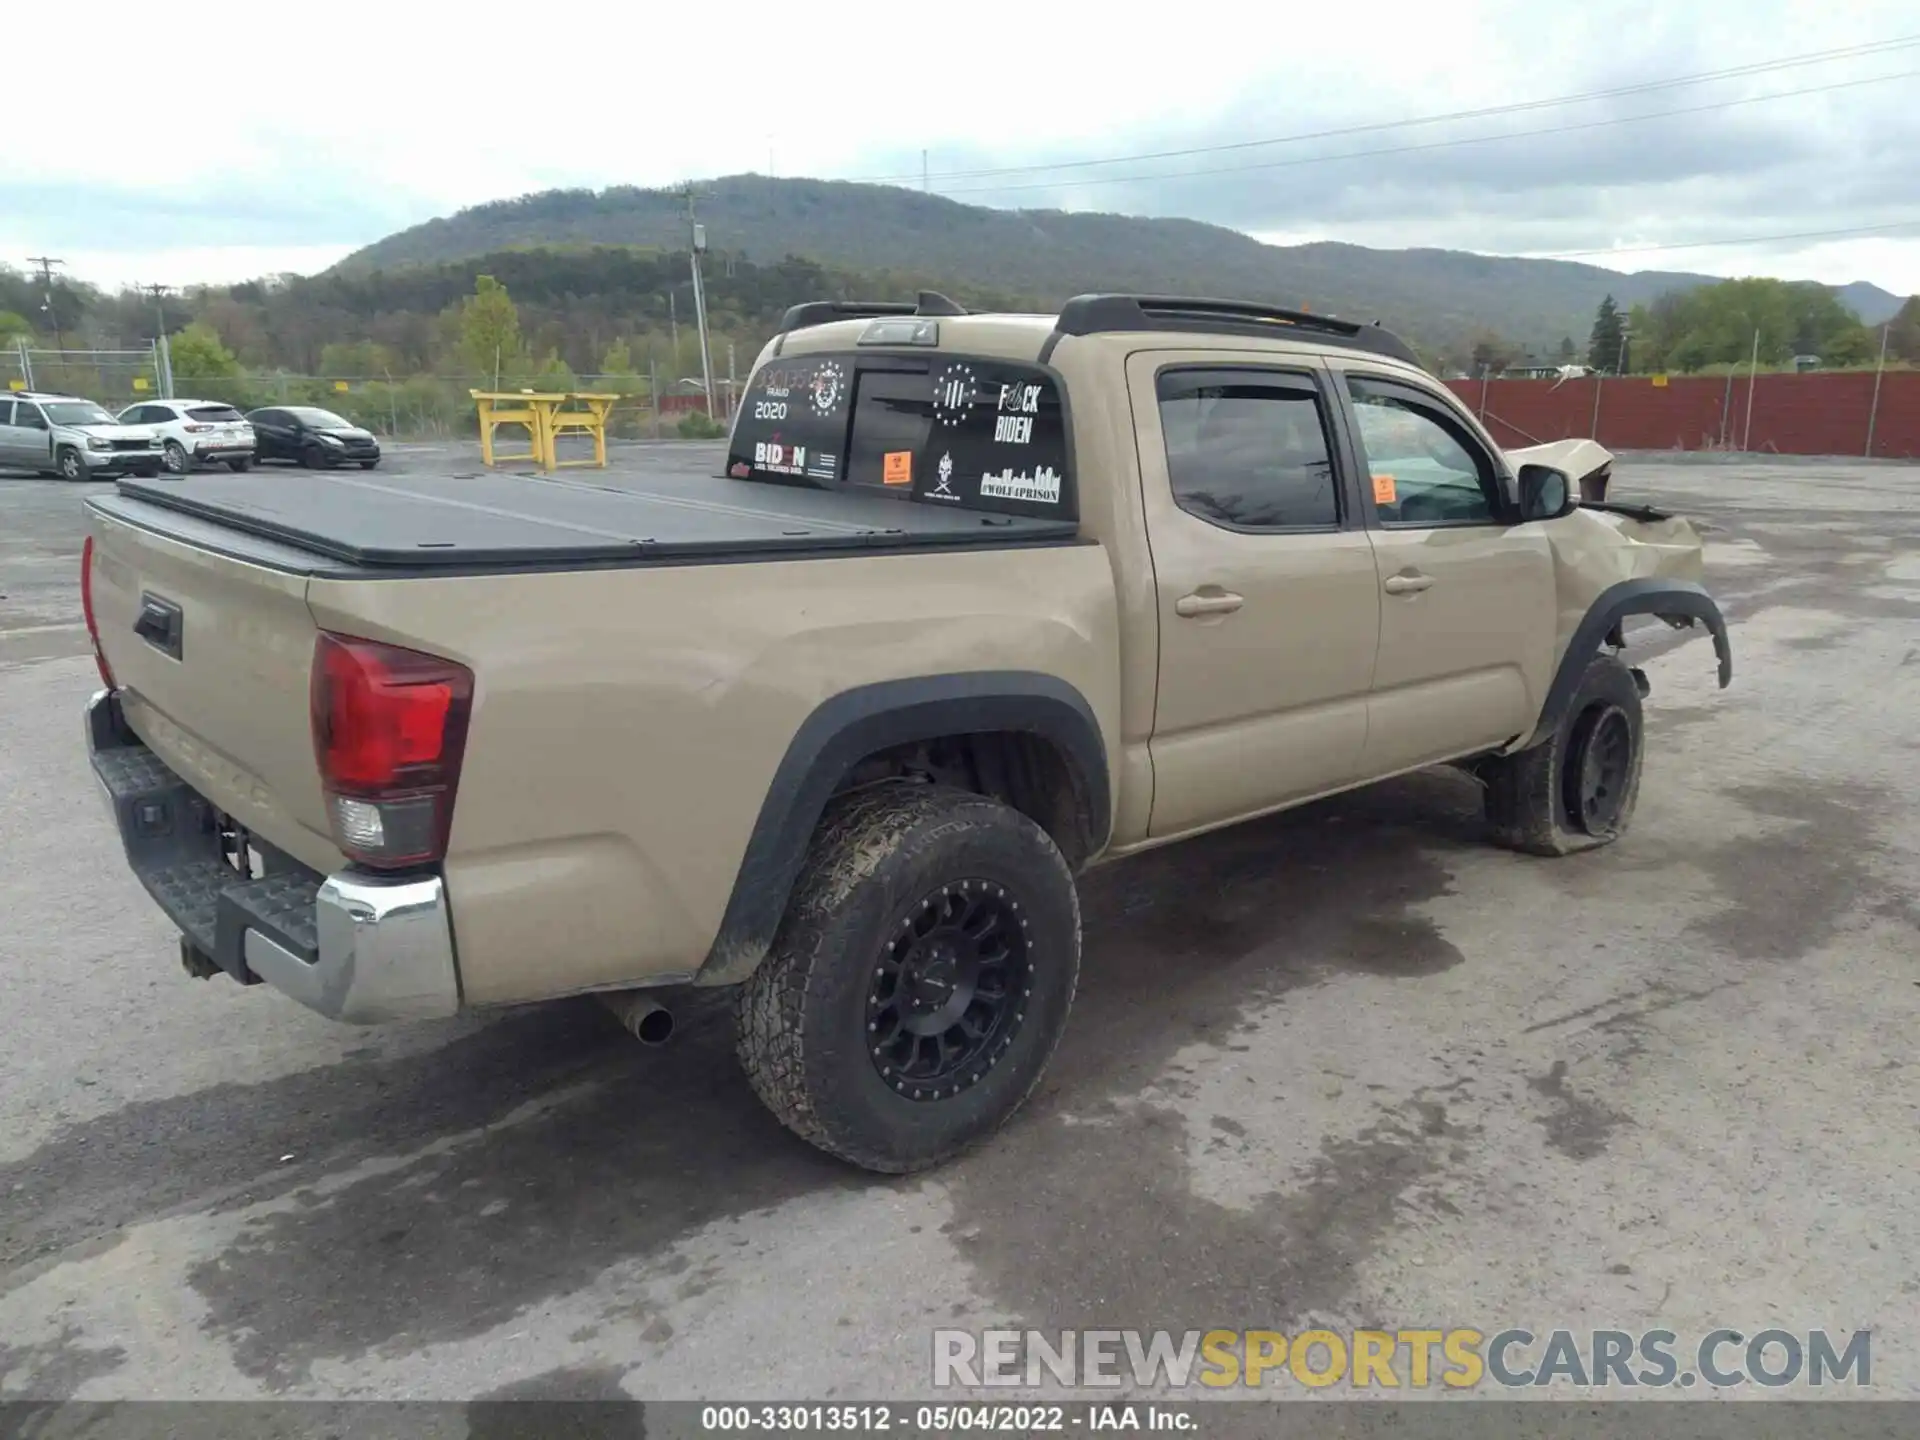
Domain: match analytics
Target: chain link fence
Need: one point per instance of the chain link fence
(414, 407)
(114, 378)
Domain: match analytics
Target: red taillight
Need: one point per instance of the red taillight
(389, 730)
(86, 609)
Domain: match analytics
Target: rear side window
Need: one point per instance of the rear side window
(27, 414)
(1248, 450)
(214, 414)
(939, 430)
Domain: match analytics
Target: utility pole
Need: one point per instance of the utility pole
(46, 264)
(924, 186)
(1873, 413)
(673, 324)
(1753, 369)
(700, 297)
(159, 294)
(162, 352)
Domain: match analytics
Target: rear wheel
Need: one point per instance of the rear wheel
(174, 454)
(920, 980)
(70, 465)
(1576, 789)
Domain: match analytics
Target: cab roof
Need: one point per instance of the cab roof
(893, 323)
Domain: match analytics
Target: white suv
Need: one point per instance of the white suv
(196, 431)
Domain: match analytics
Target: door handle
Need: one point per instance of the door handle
(1407, 584)
(1216, 602)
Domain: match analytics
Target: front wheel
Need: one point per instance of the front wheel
(919, 981)
(71, 466)
(368, 464)
(240, 466)
(1577, 788)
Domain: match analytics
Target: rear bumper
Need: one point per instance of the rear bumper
(355, 946)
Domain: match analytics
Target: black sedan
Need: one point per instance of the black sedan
(311, 437)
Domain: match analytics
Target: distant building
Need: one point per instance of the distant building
(1546, 372)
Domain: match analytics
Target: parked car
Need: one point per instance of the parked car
(977, 603)
(196, 432)
(73, 438)
(310, 436)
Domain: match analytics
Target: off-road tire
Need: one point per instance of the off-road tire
(802, 1018)
(71, 466)
(1527, 802)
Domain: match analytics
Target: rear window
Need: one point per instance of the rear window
(937, 430)
(214, 414)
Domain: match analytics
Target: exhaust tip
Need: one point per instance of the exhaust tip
(655, 1027)
(643, 1017)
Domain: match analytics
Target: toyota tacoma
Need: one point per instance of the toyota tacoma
(976, 602)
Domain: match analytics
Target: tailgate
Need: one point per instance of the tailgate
(215, 678)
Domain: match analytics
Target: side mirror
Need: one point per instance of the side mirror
(1545, 493)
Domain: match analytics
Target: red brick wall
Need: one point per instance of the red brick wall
(1817, 414)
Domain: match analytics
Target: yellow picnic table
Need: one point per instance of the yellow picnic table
(547, 415)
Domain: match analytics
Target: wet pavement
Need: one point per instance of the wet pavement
(1348, 1066)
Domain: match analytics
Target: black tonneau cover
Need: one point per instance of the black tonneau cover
(457, 522)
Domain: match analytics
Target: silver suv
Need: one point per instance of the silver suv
(73, 438)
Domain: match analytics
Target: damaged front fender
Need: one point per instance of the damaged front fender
(1680, 603)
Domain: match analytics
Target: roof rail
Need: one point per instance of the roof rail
(1094, 314)
(822, 312)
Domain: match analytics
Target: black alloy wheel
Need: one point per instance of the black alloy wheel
(949, 990)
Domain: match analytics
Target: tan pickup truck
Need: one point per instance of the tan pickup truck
(979, 601)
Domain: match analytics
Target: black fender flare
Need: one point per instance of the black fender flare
(1669, 599)
(848, 727)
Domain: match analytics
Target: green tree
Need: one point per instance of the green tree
(1567, 350)
(489, 330)
(1491, 354)
(357, 360)
(197, 353)
(13, 327)
(1903, 332)
(1607, 338)
(554, 374)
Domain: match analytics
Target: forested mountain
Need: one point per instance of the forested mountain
(1439, 298)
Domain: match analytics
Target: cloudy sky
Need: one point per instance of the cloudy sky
(316, 130)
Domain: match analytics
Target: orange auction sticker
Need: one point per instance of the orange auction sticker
(897, 468)
(1383, 491)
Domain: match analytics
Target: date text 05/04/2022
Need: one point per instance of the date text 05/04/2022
(945, 1419)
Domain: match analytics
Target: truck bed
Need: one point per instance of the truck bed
(450, 523)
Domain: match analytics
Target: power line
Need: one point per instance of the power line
(1849, 233)
(1817, 57)
(1440, 144)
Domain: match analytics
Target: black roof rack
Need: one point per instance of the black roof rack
(822, 312)
(1094, 314)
